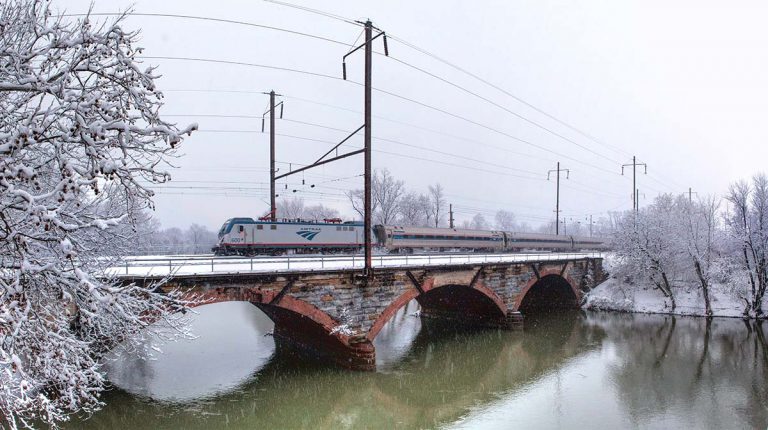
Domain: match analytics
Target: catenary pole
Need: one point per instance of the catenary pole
(272, 204)
(367, 221)
(634, 165)
(557, 194)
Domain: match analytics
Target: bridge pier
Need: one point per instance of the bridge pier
(514, 320)
(297, 334)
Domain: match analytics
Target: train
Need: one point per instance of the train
(246, 236)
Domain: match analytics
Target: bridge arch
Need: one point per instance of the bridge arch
(478, 305)
(301, 326)
(551, 290)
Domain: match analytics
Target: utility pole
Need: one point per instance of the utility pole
(634, 165)
(272, 205)
(690, 194)
(367, 225)
(450, 215)
(367, 199)
(590, 225)
(557, 195)
(272, 170)
(637, 199)
(366, 150)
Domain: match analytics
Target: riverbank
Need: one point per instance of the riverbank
(620, 296)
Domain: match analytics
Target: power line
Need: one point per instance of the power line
(242, 63)
(326, 39)
(453, 84)
(462, 157)
(498, 88)
(392, 94)
(437, 132)
(415, 158)
(204, 18)
(315, 11)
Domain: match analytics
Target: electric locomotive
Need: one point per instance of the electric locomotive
(246, 236)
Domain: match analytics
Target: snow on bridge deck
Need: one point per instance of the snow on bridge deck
(201, 265)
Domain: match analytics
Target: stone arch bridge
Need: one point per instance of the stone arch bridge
(335, 315)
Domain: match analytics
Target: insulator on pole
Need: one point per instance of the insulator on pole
(386, 48)
(344, 70)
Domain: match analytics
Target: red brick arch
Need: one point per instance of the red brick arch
(428, 285)
(549, 271)
(299, 307)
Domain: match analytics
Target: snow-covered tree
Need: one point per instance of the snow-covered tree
(290, 208)
(412, 210)
(479, 222)
(320, 212)
(747, 225)
(80, 140)
(505, 220)
(644, 244)
(697, 237)
(200, 239)
(436, 203)
(386, 195)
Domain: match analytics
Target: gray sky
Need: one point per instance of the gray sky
(682, 86)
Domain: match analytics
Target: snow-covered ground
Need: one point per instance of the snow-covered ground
(615, 295)
(620, 295)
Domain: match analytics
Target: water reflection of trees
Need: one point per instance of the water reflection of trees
(687, 367)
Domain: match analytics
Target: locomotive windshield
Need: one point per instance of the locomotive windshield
(224, 227)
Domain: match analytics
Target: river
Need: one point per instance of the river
(567, 370)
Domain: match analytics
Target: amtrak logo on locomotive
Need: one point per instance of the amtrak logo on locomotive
(308, 233)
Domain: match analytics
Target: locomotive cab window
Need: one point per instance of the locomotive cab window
(240, 228)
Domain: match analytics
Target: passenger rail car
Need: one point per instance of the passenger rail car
(408, 238)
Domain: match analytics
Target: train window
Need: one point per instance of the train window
(351, 229)
(240, 228)
(338, 228)
(345, 228)
(259, 227)
(273, 227)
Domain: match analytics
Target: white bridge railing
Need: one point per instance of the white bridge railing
(210, 265)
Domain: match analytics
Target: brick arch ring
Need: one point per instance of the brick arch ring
(297, 306)
(428, 285)
(542, 274)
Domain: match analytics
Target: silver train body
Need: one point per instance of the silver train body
(407, 239)
(246, 236)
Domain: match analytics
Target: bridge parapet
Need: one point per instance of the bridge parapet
(336, 315)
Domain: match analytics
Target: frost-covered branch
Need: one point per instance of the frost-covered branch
(80, 139)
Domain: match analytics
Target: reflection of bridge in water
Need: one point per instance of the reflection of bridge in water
(633, 370)
(335, 315)
(444, 373)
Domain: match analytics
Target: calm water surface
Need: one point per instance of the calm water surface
(566, 370)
